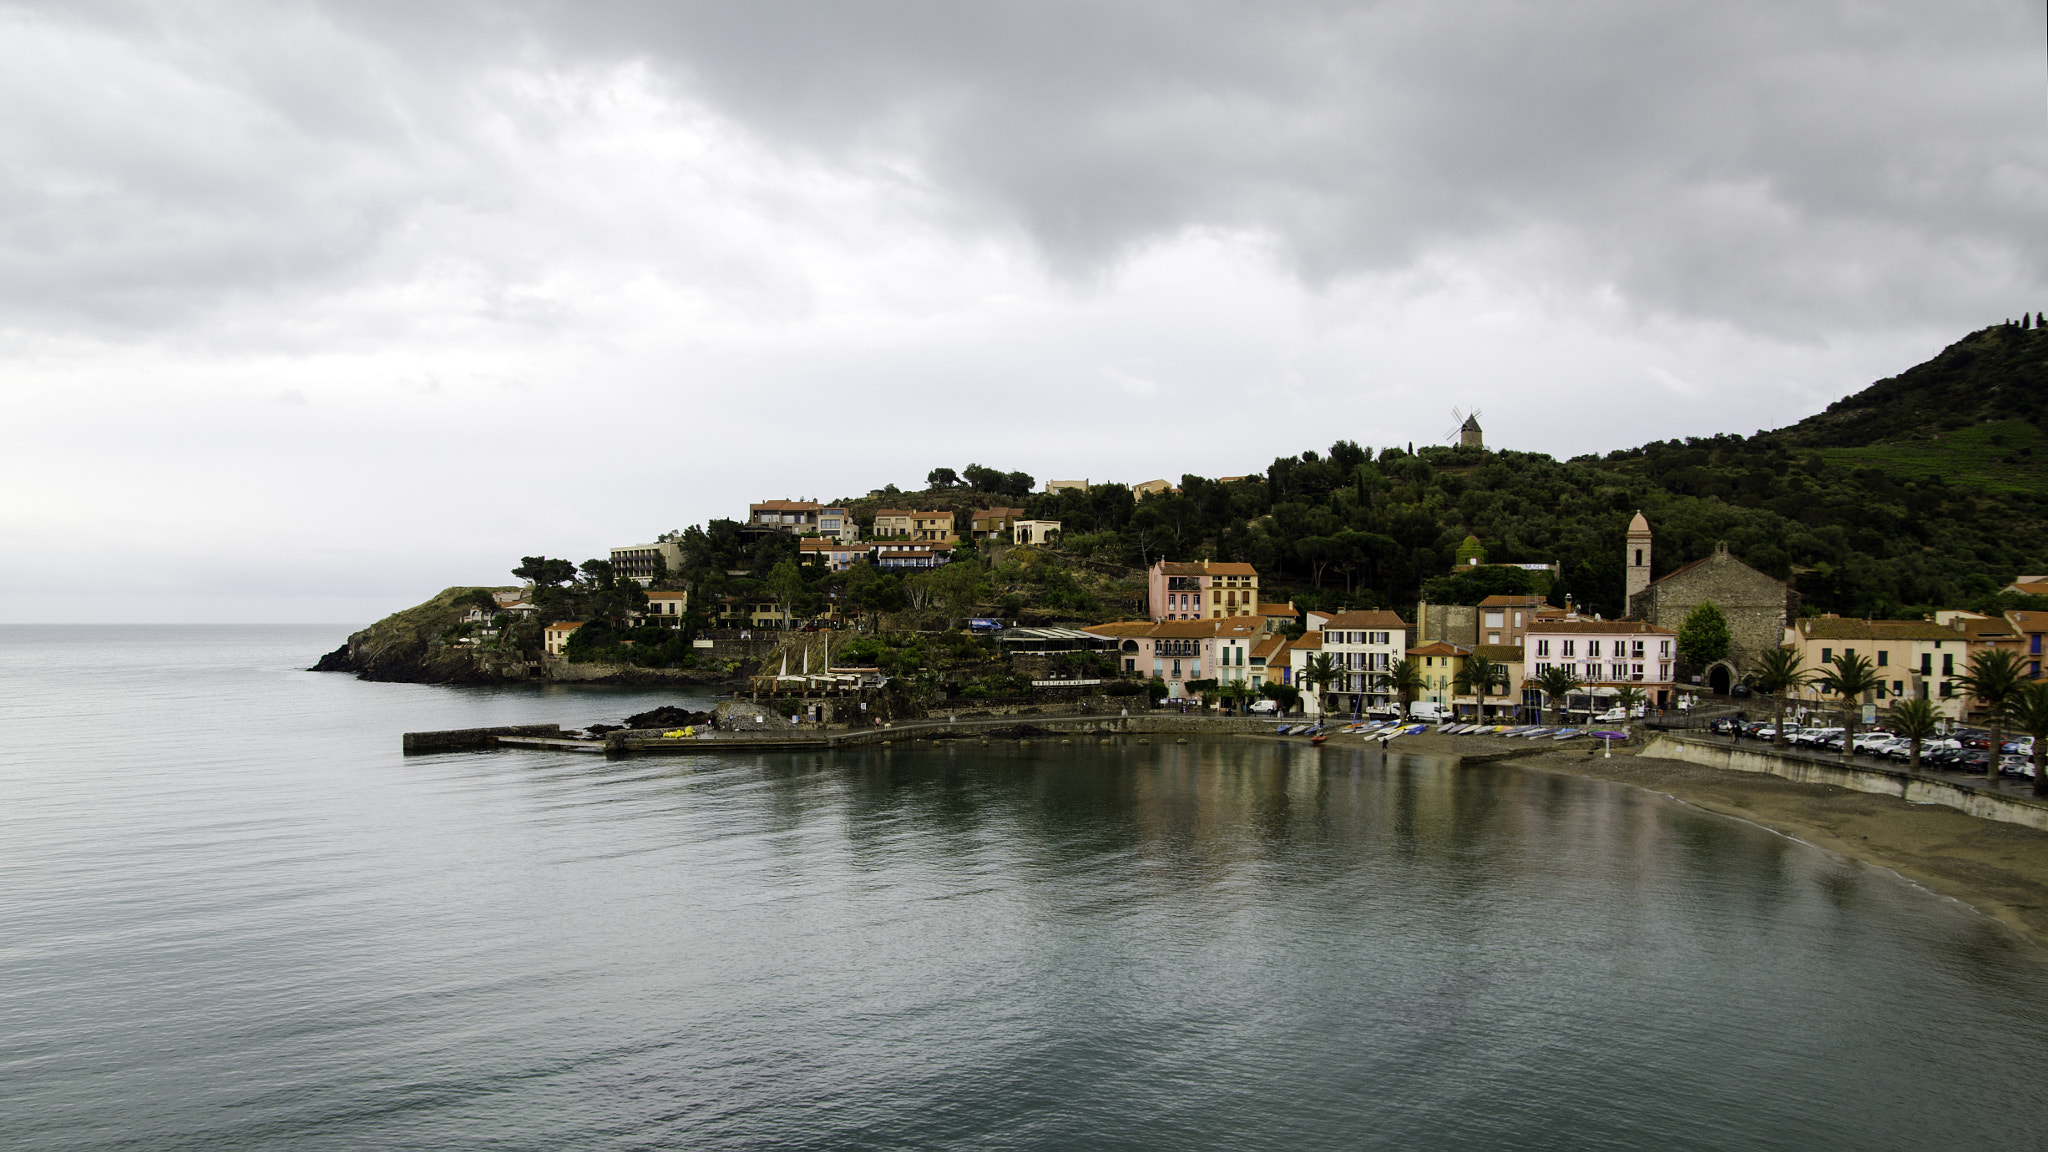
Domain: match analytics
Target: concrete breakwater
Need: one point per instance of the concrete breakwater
(648, 741)
(1808, 768)
(457, 738)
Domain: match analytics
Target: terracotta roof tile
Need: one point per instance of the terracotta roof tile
(1823, 628)
(1597, 627)
(1367, 620)
(1439, 648)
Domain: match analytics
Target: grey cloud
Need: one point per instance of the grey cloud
(1768, 164)
(1783, 168)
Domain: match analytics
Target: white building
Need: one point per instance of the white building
(1361, 644)
(1605, 653)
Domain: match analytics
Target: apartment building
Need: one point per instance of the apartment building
(642, 563)
(1361, 645)
(1606, 653)
(1202, 589)
(936, 528)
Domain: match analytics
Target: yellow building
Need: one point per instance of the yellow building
(896, 523)
(1912, 657)
(555, 637)
(1439, 662)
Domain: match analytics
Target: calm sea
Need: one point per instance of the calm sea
(233, 916)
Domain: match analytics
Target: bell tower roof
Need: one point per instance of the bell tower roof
(1639, 526)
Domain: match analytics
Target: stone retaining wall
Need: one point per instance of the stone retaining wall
(1906, 785)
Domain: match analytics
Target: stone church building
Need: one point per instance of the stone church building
(1758, 607)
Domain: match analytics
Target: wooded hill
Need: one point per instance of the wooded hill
(1922, 490)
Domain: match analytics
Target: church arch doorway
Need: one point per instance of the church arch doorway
(1720, 678)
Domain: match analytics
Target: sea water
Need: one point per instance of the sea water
(233, 915)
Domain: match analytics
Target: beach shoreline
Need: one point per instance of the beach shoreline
(1998, 868)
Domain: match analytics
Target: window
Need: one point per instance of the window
(1639, 652)
(1130, 665)
(1883, 658)
(1543, 648)
(1593, 649)
(1541, 667)
(1639, 557)
(1496, 618)
(1663, 648)
(1948, 667)
(1898, 687)
(1827, 655)
(1568, 653)
(1635, 671)
(1947, 689)
(1493, 637)
(1927, 663)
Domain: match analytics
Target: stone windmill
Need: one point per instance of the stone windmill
(1466, 428)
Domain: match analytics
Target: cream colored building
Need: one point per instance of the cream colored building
(667, 607)
(1039, 532)
(555, 637)
(900, 524)
(1912, 657)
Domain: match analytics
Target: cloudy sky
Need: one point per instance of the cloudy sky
(308, 311)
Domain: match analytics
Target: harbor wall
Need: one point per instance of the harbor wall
(1907, 785)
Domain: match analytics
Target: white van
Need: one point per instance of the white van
(1428, 710)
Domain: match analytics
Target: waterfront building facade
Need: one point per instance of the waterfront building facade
(1201, 589)
(1606, 654)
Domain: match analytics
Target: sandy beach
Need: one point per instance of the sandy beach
(1999, 869)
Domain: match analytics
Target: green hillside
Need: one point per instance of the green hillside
(1924, 490)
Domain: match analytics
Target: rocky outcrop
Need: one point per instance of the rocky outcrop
(402, 648)
(405, 648)
(338, 660)
(667, 716)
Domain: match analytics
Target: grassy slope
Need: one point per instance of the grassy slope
(2009, 456)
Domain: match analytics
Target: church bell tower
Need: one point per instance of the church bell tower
(1637, 561)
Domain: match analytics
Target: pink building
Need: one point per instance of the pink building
(1605, 653)
(1202, 590)
(1177, 651)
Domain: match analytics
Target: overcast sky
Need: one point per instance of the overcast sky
(308, 311)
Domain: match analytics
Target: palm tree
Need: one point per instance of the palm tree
(1404, 679)
(1628, 699)
(1853, 676)
(1477, 675)
(1994, 678)
(1557, 682)
(1915, 719)
(1778, 672)
(2028, 710)
(1321, 671)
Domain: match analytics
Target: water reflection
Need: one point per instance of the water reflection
(306, 940)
